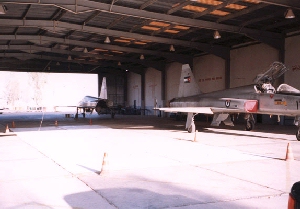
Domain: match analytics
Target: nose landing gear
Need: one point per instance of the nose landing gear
(249, 122)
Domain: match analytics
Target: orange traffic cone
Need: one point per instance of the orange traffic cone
(7, 129)
(13, 124)
(289, 153)
(90, 121)
(105, 163)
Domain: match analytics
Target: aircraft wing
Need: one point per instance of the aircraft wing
(232, 106)
(205, 110)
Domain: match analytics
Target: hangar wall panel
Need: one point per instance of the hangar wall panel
(292, 47)
(209, 71)
(173, 72)
(115, 88)
(152, 89)
(134, 82)
(247, 63)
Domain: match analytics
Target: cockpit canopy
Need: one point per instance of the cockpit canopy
(287, 89)
(276, 70)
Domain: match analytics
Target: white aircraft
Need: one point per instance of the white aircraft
(259, 98)
(101, 104)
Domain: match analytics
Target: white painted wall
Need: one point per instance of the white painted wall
(292, 61)
(209, 71)
(134, 89)
(247, 63)
(152, 89)
(173, 72)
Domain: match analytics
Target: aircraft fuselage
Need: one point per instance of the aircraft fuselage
(234, 99)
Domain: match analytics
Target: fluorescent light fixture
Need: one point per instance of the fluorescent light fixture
(107, 40)
(217, 35)
(289, 14)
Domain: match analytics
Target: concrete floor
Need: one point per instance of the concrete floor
(151, 163)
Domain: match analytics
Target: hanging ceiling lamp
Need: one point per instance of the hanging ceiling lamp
(107, 40)
(172, 49)
(289, 14)
(217, 35)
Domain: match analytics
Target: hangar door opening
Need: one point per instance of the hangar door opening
(28, 91)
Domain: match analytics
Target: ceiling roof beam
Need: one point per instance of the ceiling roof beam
(59, 10)
(33, 49)
(56, 13)
(26, 12)
(178, 7)
(136, 27)
(280, 24)
(213, 8)
(213, 49)
(77, 6)
(30, 64)
(167, 18)
(41, 39)
(259, 19)
(26, 56)
(260, 35)
(96, 13)
(284, 3)
(85, 5)
(61, 14)
(242, 12)
(116, 21)
(147, 3)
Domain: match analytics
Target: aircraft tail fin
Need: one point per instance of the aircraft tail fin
(103, 91)
(188, 85)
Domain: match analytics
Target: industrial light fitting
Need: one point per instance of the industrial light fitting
(289, 14)
(142, 57)
(172, 49)
(2, 9)
(217, 35)
(107, 40)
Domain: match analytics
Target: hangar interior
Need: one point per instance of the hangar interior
(140, 45)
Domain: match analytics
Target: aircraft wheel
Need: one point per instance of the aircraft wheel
(249, 125)
(298, 135)
(192, 128)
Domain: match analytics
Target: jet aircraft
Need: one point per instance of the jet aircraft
(100, 104)
(259, 98)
